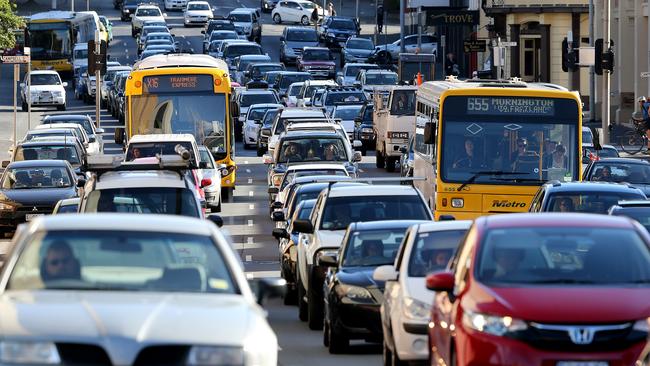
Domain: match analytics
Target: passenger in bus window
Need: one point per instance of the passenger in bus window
(521, 150)
(467, 159)
(560, 159)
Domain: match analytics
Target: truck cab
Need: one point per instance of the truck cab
(394, 123)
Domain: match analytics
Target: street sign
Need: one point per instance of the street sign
(508, 44)
(14, 59)
(452, 17)
(645, 74)
(474, 45)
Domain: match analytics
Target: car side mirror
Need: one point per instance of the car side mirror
(442, 281)
(258, 121)
(280, 233)
(328, 261)
(202, 32)
(216, 219)
(5, 163)
(385, 273)
(81, 182)
(303, 226)
(278, 216)
(164, 15)
(65, 84)
(356, 84)
(203, 165)
(266, 288)
(357, 144)
(307, 103)
(266, 132)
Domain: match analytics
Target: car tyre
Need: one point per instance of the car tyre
(338, 342)
(304, 20)
(379, 163)
(302, 305)
(390, 164)
(314, 306)
(277, 19)
(386, 355)
(61, 107)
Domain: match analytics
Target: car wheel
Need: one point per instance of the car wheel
(338, 341)
(390, 164)
(386, 355)
(379, 163)
(314, 305)
(326, 336)
(304, 20)
(61, 107)
(290, 297)
(302, 305)
(277, 19)
(260, 151)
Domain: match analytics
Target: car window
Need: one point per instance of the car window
(136, 150)
(166, 201)
(433, 250)
(198, 6)
(345, 24)
(563, 255)
(372, 248)
(346, 114)
(316, 55)
(36, 177)
(620, 172)
(235, 50)
(428, 39)
(244, 18)
(122, 260)
(589, 202)
(291, 175)
(206, 158)
(148, 13)
(339, 212)
(341, 97)
(249, 99)
(46, 79)
(312, 149)
(362, 44)
(301, 35)
(410, 41)
(49, 152)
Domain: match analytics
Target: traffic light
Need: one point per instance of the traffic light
(604, 59)
(569, 57)
(96, 62)
(380, 18)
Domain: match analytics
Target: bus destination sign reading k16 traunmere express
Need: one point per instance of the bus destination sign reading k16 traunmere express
(177, 83)
(510, 106)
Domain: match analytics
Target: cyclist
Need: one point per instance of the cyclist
(644, 103)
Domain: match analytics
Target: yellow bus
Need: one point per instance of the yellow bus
(485, 147)
(53, 34)
(181, 93)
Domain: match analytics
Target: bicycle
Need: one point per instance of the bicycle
(633, 141)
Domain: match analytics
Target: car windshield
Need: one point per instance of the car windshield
(590, 202)
(312, 149)
(302, 35)
(381, 79)
(346, 24)
(249, 99)
(339, 212)
(352, 71)
(206, 157)
(223, 26)
(128, 260)
(236, 50)
(269, 116)
(302, 196)
(360, 44)
(261, 70)
(431, 251)
(243, 18)
(367, 115)
(223, 35)
(348, 113)
(198, 6)
(36, 177)
(294, 90)
(48, 152)
(633, 173)
(291, 175)
(372, 248)
(563, 255)
(167, 201)
(606, 152)
(150, 29)
(45, 79)
(83, 122)
(316, 55)
(148, 13)
(137, 150)
(345, 97)
(640, 214)
(257, 113)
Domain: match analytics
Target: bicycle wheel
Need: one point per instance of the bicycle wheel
(631, 142)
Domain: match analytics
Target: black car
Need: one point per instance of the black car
(363, 128)
(352, 297)
(635, 172)
(51, 148)
(286, 78)
(265, 131)
(32, 188)
(336, 31)
(128, 8)
(587, 197)
(636, 210)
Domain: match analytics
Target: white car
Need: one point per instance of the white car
(175, 4)
(252, 123)
(347, 113)
(291, 98)
(348, 75)
(303, 170)
(107, 80)
(211, 170)
(46, 90)
(308, 89)
(429, 45)
(407, 303)
(95, 139)
(145, 12)
(296, 11)
(197, 12)
(79, 56)
(81, 288)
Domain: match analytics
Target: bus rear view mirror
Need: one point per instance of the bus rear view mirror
(429, 133)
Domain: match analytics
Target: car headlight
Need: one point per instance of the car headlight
(416, 310)
(215, 355)
(356, 293)
(25, 352)
(366, 130)
(495, 325)
(126, 11)
(276, 179)
(6, 207)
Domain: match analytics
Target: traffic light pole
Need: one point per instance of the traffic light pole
(98, 81)
(606, 73)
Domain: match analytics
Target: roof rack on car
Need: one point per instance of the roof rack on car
(101, 164)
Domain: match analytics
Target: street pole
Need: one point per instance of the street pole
(376, 20)
(29, 89)
(592, 74)
(419, 27)
(402, 10)
(606, 73)
(87, 5)
(443, 44)
(356, 12)
(72, 5)
(16, 76)
(97, 79)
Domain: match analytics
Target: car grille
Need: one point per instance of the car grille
(298, 51)
(611, 337)
(82, 354)
(162, 355)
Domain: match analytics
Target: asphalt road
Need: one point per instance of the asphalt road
(245, 216)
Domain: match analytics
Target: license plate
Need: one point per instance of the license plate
(582, 363)
(30, 217)
(398, 135)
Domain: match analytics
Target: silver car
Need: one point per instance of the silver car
(119, 287)
(429, 45)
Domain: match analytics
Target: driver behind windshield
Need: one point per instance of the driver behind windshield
(60, 263)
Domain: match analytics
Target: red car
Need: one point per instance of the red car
(318, 61)
(544, 289)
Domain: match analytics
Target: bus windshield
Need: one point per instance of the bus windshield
(50, 41)
(202, 114)
(505, 140)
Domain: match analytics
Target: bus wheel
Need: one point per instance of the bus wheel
(390, 164)
(380, 159)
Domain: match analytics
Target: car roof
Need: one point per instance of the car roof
(66, 117)
(315, 48)
(550, 219)
(49, 130)
(383, 225)
(265, 105)
(302, 112)
(256, 91)
(632, 204)
(40, 72)
(444, 225)
(348, 106)
(311, 166)
(379, 71)
(150, 6)
(124, 222)
(69, 201)
(50, 141)
(588, 187)
(163, 137)
(372, 190)
(144, 178)
(37, 163)
(299, 134)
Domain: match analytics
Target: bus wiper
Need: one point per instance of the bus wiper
(517, 180)
(486, 172)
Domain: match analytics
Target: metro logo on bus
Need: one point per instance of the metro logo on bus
(507, 204)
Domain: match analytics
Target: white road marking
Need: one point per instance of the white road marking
(251, 193)
(248, 170)
(262, 274)
(250, 180)
(249, 258)
(251, 206)
(250, 222)
(249, 240)
(245, 161)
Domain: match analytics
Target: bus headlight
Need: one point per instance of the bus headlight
(457, 203)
